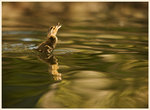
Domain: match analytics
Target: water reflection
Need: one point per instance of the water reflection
(95, 89)
(52, 63)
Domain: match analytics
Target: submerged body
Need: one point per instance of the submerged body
(49, 45)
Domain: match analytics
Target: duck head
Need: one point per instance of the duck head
(53, 30)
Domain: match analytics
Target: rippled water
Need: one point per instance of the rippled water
(93, 66)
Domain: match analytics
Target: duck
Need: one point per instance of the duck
(49, 45)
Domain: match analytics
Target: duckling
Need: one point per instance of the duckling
(49, 45)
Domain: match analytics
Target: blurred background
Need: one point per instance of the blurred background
(102, 55)
(44, 14)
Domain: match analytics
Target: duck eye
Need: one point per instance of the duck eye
(50, 28)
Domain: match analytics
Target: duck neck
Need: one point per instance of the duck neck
(53, 37)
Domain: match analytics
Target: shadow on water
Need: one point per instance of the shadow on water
(101, 61)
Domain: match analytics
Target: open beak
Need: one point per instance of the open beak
(58, 26)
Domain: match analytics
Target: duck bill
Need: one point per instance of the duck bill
(58, 26)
